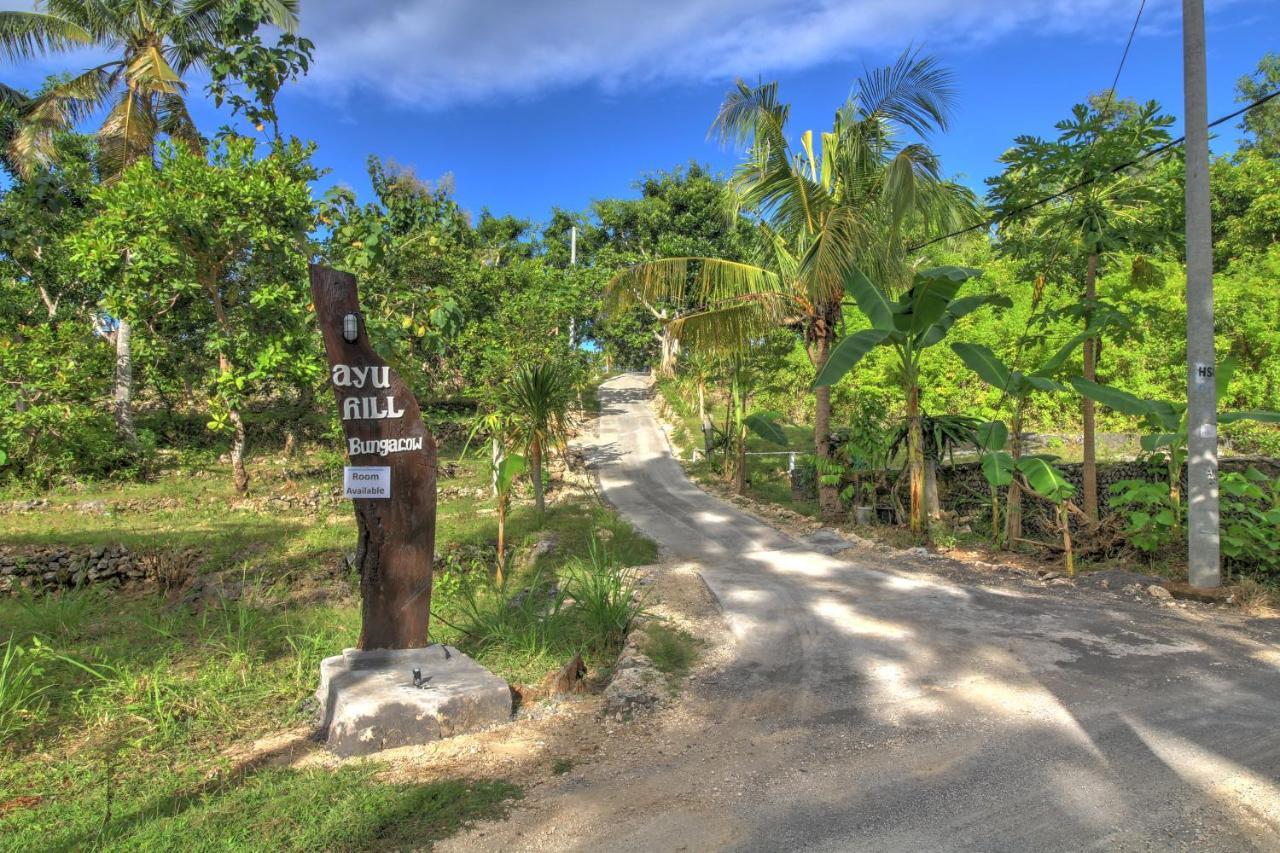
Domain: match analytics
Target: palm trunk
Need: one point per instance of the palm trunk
(705, 419)
(828, 496)
(1088, 410)
(124, 384)
(535, 462)
(932, 504)
(915, 457)
(1013, 505)
(669, 348)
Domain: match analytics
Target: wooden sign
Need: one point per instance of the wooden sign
(383, 428)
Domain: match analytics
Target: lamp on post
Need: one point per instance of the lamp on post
(351, 328)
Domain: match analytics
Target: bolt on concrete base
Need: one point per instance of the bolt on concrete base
(369, 700)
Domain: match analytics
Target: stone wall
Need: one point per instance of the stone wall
(963, 489)
(50, 568)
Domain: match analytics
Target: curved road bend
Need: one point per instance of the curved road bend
(873, 709)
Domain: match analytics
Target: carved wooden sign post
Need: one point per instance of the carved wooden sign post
(392, 473)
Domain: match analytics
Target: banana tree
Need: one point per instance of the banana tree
(505, 473)
(997, 468)
(740, 422)
(1042, 478)
(1168, 424)
(1017, 386)
(908, 325)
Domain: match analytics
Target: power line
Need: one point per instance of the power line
(1128, 44)
(1018, 211)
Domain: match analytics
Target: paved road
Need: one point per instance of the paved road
(869, 708)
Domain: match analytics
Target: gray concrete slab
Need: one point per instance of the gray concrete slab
(369, 702)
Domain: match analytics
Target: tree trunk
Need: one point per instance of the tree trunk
(1088, 410)
(740, 467)
(535, 463)
(502, 538)
(495, 460)
(1065, 520)
(240, 475)
(932, 505)
(995, 515)
(915, 458)
(1013, 504)
(669, 348)
(706, 421)
(828, 496)
(124, 384)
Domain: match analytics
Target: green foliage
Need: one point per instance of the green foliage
(672, 650)
(1152, 520)
(532, 621)
(241, 58)
(918, 320)
(762, 424)
(1262, 124)
(1251, 520)
(1044, 479)
(22, 686)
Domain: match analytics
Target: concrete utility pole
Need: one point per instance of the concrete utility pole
(1202, 396)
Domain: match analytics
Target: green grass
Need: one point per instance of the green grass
(672, 650)
(269, 808)
(98, 684)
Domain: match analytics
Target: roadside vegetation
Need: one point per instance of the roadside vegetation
(163, 394)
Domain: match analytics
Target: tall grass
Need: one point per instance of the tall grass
(22, 689)
(606, 597)
(542, 619)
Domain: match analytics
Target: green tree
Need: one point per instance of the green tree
(218, 245)
(1262, 124)
(826, 210)
(1100, 205)
(155, 42)
(539, 397)
(908, 326)
(680, 213)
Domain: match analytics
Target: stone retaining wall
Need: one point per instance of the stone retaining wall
(45, 569)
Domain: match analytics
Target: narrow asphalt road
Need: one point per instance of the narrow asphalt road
(869, 707)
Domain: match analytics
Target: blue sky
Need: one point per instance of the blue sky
(531, 105)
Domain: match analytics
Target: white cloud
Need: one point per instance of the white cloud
(441, 52)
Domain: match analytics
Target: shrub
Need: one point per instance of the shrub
(1151, 522)
(1251, 520)
(606, 597)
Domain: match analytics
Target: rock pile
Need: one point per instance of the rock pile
(44, 569)
(636, 686)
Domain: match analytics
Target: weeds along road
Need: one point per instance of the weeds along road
(870, 708)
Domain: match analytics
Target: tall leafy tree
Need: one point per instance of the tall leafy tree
(1101, 205)
(218, 246)
(1263, 123)
(153, 43)
(826, 210)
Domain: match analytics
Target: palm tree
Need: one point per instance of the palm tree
(826, 211)
(539, 397)
(155, 43)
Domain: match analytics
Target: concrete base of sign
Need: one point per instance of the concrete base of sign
(368, 700)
